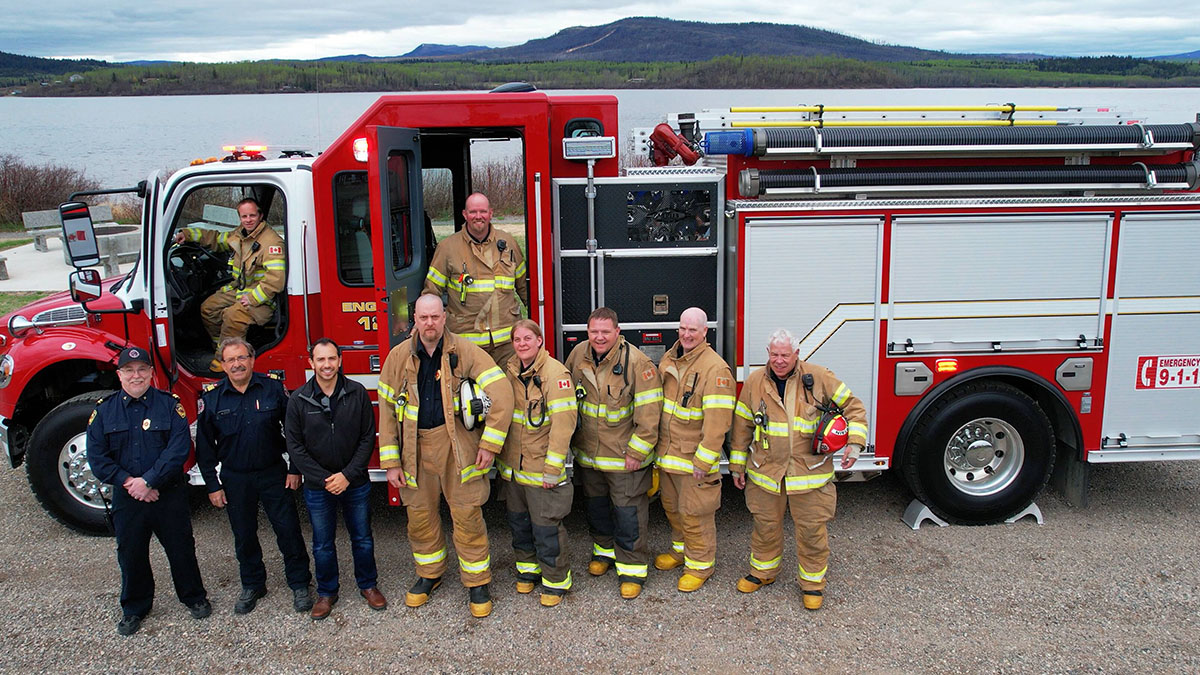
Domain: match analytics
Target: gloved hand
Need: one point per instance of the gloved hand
(850, 456)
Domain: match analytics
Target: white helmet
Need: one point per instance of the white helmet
(475, 404)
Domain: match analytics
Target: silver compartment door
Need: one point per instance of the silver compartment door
(997, 283)
(1152, 400)
(819, 278)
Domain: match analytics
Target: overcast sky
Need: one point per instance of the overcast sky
(228, 30)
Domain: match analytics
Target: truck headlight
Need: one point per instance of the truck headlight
(6, 370)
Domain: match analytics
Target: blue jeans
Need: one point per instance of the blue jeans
(322, 511)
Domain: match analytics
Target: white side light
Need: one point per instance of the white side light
(360, 149)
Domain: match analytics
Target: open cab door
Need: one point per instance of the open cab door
(394, 176)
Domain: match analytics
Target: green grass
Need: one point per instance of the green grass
(13, 243)
(11, 227)
(17, 300)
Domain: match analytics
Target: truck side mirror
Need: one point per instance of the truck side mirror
(84, 285)
(78, 235)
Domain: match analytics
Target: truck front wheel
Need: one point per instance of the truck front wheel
(56, 461)
(980, 454)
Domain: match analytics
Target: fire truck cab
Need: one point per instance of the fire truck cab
(1005, 298)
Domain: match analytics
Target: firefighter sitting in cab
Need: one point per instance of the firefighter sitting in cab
(790, 417)
(259, 273)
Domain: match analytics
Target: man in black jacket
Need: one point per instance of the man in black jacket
(240, 425)
(330, 431)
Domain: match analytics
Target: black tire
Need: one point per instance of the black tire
(980, 454)
(56, 450)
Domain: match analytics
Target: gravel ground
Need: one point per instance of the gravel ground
(1111, 588)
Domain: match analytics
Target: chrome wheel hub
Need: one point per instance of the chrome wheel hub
(76, 474)
(984, 456)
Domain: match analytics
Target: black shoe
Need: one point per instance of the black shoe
(128, 625)
(480, 601)
(248, 600)
(302, 599)
(200, 610)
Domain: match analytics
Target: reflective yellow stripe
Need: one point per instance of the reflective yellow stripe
(802, 483)
(677, 546)
(486, 338)
(841, 395)
(719, 401)
(561, 405)
(686, 414)
(436, 277)
(410, 480)
(505, 283)
(707, 456)
(857, 429)
(429, 558)
(564, 585)
(607, 463)
(386, 393)
(389, 453)
(528, 568)
(627, 570)
(602, 412)
(804, 426)
(648, 396)
(777, 429)
(494, 435)
(598, 550)
(762, 481)
(258, 295)
(274, 265)
(490, 375)
(475, 567)
(471, 472)
(765, 565)
(815, 577)
(411, 410)
(742, 410)
(693, 564)
(520, 269)
(680, 464)
(637, 443)
(738, 457)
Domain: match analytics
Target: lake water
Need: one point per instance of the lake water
(118, 141)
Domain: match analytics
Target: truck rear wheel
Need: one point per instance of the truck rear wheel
(980, 454)
(56, 461)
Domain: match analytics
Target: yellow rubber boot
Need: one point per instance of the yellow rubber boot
(689, 583)
(525, 587)
(813, 600)
(666, 561)
(551, 600)
(751, 583)
(630, 590)
(598, 566)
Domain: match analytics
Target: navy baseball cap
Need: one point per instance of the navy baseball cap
(131, 354)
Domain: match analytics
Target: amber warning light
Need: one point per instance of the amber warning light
(947, 365)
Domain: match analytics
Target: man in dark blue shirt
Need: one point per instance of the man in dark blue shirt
(138, 441)
(240, 425)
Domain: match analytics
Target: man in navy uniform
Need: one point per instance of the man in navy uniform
(138, 441)
(240, 425)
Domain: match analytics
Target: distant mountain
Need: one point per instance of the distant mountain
(158, 62)
(361, 58)
(426, 50)
(1189, 56)
(33, 67)
(655, 39)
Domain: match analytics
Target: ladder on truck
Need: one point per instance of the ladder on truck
(844, 143)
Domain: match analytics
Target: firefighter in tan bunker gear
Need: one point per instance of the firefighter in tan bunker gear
(428, 453)
(698, 401)
(620, 399)
(537, 492)
(482, 272)
(772, 450)
(258, 269)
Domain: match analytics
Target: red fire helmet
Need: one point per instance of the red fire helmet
(832, 433)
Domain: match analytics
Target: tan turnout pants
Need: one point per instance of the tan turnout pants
(438, 476)
(225, 317)
(811, 512)
(691, 507)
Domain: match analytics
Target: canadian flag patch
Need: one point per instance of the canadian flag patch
(275, 250)
(564, 384)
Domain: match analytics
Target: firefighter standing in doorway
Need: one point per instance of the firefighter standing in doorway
(482, 272)
(773, 457)
(620, 400)
(429, 453)
(698, 401)
(537, 492)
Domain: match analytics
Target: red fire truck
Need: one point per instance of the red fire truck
(1009, 292)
